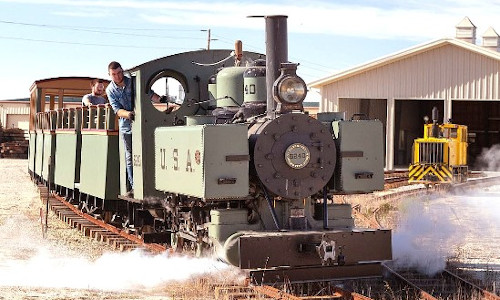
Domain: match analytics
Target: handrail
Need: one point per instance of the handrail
(99, 117)
(95, 117)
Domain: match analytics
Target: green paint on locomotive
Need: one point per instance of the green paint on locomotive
(194, 80)
(360, 162)
(204, 161)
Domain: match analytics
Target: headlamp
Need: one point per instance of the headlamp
(289, 90)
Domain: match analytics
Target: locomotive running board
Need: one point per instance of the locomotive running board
(314, 273)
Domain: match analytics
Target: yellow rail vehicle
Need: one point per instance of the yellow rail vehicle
(440, 156)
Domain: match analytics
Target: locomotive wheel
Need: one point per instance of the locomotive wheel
(176, 242)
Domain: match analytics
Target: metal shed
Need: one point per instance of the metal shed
(14, 114)
(453, 74)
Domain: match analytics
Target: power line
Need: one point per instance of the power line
(93, 30)
(231, 42)
(304, 62)
(307, 64)
(142, 29)
(90, 44)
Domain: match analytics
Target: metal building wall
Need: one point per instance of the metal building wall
(447, 70)
(10, 108)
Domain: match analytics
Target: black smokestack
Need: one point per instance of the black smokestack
(276, 53)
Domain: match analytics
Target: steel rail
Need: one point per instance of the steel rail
(455, 282)
(423, 294)
(486, 295)
(156, 248)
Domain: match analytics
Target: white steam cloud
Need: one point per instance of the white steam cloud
(424, 237)
(489, 160)
(27, 260)
(464, 226)
(112, 271)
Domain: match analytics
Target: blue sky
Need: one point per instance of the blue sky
(51, 38)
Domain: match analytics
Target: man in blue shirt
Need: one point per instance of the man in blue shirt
(120, 93)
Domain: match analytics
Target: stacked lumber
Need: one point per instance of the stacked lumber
(14, 149)
(13, 143)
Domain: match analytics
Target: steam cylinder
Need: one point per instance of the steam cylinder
(254, 84)
(230, 86)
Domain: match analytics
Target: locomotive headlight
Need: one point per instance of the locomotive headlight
(289, 89)
(292, 90)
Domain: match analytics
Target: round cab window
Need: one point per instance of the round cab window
(170, 89)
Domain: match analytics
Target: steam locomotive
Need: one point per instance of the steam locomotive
(239, 169)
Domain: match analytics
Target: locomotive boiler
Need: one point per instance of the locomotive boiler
(239, 169)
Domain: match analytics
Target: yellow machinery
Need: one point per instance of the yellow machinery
(441, 155)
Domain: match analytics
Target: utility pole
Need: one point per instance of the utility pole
(209, 37)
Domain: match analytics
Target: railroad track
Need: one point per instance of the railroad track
(394, 179)
(443, 286)
(121, 240)
(92, 227)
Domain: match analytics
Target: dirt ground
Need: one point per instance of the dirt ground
(60, 265)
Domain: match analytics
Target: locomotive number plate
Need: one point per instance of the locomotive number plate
(297, 156)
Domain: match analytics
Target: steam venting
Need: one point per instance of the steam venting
(27, 260)
(463, 227)
(489, 160)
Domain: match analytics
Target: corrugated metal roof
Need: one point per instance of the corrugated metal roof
(15, 100)
(402, 55)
